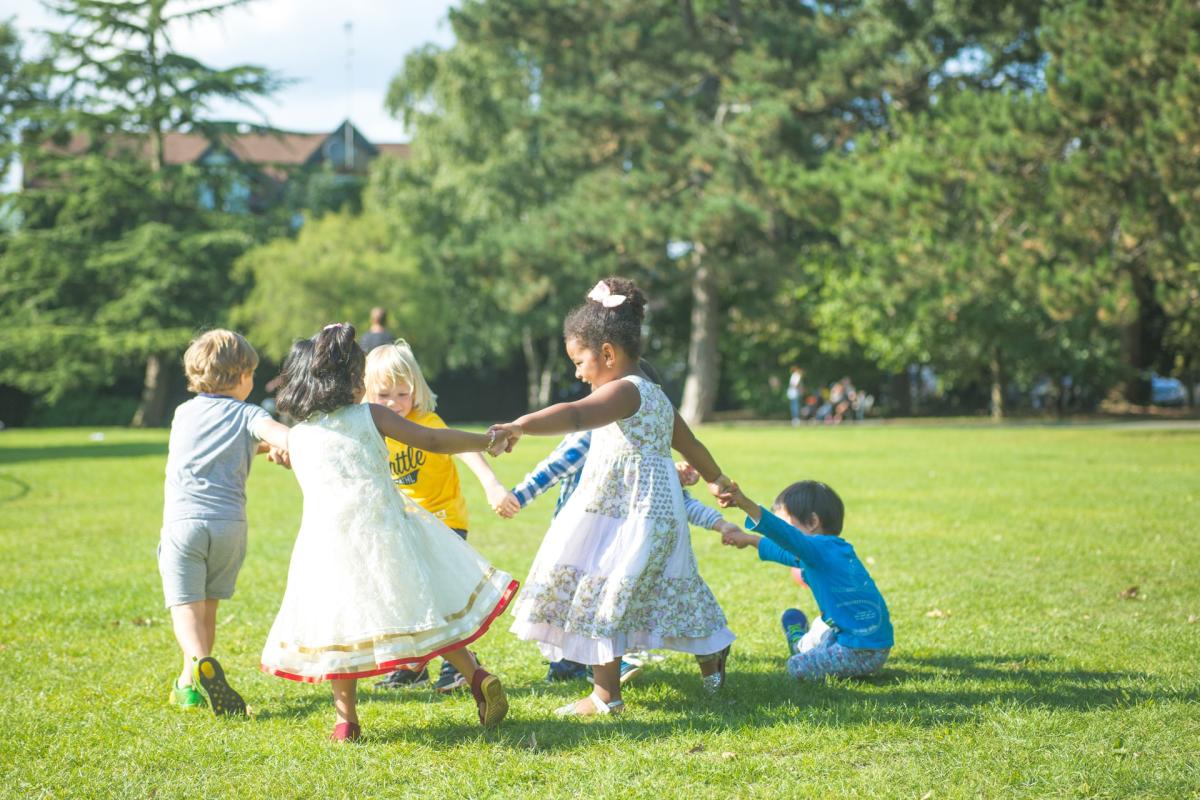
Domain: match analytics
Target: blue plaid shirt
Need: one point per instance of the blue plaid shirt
(565, 464)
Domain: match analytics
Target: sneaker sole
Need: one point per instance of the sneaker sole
(630, 674)
(495, 704)
(221, 696)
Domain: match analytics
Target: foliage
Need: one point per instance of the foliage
(117, 260)
(336, 269)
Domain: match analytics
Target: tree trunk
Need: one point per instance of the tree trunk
(539, 370)
(152, 408)
(997, 389)
(704, 369)
(1143, 338)
(546, 381)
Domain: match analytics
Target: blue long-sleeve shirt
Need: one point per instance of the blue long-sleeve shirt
(565, 464)
(849, 601)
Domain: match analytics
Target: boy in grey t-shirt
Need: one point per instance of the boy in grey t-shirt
(214, 437)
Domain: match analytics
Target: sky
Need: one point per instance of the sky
(304, 40)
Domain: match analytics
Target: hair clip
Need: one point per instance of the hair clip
(604, 296)
(332, 325)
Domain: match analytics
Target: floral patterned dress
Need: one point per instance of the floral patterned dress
(616, 572)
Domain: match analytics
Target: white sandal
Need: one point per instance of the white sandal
(598, 707)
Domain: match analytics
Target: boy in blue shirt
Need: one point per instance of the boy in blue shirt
(853, 635)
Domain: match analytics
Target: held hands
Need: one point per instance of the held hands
(724, 489)
(499, 441)
(280, 457)
(511, 433)
(508, 506)
(688, 475)
(735, 537)
(496, 494)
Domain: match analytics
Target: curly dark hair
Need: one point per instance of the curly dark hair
(322, 374)
(621, 326)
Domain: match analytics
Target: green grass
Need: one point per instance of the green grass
(1017, 671)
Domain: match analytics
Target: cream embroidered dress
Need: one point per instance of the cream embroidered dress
(616, 571)
(375, 581)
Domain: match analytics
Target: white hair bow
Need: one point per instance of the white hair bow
(604, 296)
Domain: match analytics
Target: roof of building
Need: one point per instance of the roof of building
(277, 147)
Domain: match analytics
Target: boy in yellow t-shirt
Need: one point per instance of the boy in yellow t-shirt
(394, 379)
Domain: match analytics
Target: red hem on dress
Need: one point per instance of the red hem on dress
(390, 666)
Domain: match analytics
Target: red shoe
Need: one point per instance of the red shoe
(489, 697)
(345, 732)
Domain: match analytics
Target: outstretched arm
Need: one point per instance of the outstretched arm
(492, 487)
(613, 401)
(692, 449)
(434, 440)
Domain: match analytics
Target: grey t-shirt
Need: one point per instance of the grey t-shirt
(213, 442)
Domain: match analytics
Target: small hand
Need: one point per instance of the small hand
(280, 457)
(499, 441)
(508, 507)
(688, 475)
(734, 537)
(725, 490)
(511, 430)
(495, 494)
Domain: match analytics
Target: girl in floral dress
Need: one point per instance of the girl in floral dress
(616, 572)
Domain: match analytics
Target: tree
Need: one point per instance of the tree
(684, 131)
(336, 268)
(1123, 80)
(112, 87)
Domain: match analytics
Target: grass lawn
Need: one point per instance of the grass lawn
(1019, 669)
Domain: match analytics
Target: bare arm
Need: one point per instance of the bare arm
(613, 401)
(271, 434)
(492, 487)
(434, 440)
(694, 451)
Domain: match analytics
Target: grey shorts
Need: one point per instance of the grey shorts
(199, 559)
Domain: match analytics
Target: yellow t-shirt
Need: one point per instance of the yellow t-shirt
(430, 479)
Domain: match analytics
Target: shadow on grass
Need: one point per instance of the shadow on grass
(12, 488)
(915, 690)
(19, 455)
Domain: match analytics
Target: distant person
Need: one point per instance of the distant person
(214, 437)
(795, 392)
(852, 635)
(378, 333)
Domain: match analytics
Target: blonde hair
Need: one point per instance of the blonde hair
(392, 364)
(217, 360)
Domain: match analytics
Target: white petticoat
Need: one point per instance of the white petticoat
(375, 581)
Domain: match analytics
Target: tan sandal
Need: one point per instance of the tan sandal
(599, 707)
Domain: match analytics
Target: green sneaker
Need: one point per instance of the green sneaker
(186, 697)
(222, 698)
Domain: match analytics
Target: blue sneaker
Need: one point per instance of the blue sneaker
(795, 625)
(565, 671)
(630, 669)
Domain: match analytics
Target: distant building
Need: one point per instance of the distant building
(278, 160)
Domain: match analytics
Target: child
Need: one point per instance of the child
(563, 466)
(616, 571)
(375, 581)
(853, 635)
(214, 437)
(394, 380)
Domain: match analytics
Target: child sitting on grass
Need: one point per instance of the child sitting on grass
(853, 634)
(214, 437)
